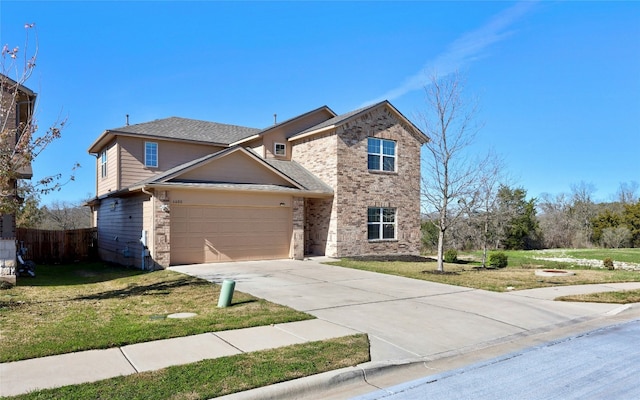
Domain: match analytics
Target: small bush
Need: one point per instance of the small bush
(608, 263)
(451, 256)
(498, 260)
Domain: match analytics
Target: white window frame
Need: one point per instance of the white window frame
(147, 161)
(284, 149)
(381, 153)
(378, 227)
(103, 164)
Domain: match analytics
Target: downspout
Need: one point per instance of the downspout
(153, 226)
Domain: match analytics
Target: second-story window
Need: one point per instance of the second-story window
(381, 154)
(280, 149)
(151, 154)
(103, 163)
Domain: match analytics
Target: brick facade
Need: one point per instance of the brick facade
(340, 160)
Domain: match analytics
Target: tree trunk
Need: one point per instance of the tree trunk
(484, 242)
(441, 250)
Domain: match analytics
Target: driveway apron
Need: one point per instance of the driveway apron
(404, 318)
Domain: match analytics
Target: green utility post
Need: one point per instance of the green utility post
(226, 293)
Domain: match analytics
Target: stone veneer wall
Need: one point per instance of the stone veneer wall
(297, 237)
(162, 235)
(8, 260)
(340, 159)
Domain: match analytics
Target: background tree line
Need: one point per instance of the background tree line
(515, 222)
(58, 215)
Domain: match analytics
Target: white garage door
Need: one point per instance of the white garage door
(215, 234)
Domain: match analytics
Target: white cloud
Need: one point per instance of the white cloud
(462, 51)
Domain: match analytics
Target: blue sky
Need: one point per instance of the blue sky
(558, 83)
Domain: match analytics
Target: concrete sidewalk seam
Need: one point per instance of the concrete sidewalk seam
(227, 342)
(124, 354)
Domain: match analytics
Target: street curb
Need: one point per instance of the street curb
(323, 382)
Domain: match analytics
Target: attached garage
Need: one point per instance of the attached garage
(205, 233)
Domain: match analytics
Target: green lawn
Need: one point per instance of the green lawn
(84, 306)
(218, 377)
(69, 308)
(520, 273)
(622, 297)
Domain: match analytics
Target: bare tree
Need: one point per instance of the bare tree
(486, 200)
(582, 212)
(21, 140)
(63, 215)
(555, 220)
(616, 237)
(627, 192)
(451, 177)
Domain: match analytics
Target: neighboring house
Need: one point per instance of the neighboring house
(180, 191)
(16, 111)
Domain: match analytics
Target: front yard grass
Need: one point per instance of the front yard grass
(69, 308)
(519, 275)
(623, 297)
(218, 377)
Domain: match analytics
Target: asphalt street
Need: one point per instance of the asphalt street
(601, 364)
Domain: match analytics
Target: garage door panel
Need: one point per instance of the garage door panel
(218, 234)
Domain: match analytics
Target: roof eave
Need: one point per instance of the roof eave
(311, 133)
(205, 186)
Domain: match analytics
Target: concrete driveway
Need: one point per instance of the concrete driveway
(405, 319)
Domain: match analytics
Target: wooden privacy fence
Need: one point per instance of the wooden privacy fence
(45, 246)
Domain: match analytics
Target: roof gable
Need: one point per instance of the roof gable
(344, 118)
(294, 125)
(233, 167)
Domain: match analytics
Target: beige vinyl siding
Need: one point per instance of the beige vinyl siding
(170, 154)
(120, 224)
(216, 227)
(258, 148)
(110, 182)
(236, 167)
(264, 146)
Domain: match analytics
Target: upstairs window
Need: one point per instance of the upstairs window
(151, 154)
(103, 164)
(280, 149)
(381, 154)
(381, 223)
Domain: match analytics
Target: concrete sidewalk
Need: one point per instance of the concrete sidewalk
(89, 366)
(414, 327)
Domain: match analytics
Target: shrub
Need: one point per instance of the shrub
(498, 260)
(608, 263)
(451, 256)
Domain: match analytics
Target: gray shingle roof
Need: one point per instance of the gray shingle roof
(337, 119)
(299, 174)
(190, 129)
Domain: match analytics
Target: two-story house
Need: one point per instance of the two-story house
(16, 110)
(180, 191)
